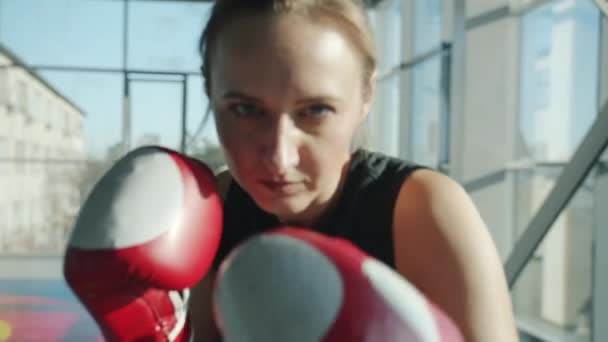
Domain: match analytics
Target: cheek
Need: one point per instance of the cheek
(337, 138)
(236, 146)
(328, 152)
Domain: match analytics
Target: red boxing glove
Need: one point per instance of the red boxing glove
(148, 232)
(297, 285)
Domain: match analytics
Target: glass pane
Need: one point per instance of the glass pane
(63, 32)
(559, 70)
(558, 92)
(372, 15)
(203, 142)
(390, 41)
(163, 35)
(156, 122)
(197, 112)
(385, 117)
(554, 291)
(427, 126)
(427, 25)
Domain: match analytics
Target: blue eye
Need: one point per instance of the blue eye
(245, 110)
(317, 111)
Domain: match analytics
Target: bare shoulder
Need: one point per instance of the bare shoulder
(431, 197)
(444, 248)
(432, 183)
(434, 211)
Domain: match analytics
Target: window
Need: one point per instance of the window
(37, 109)
(48, 157)
(48, 114)
(543, 84)
(18, 216)
(35, 157)
(34, 215)
(66, 123)
(387, 131)
(385, 127)
(426, 117)
(20, 156)
(3, 87)
(427, 25)
(3, 224)
(558, 103)
(4, 156)
(558, 89)
(429, 125)
(28, 155)
(392, 40)
(22, 98)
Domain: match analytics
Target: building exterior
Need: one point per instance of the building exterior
(41, 144)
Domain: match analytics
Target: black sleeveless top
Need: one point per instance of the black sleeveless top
(363, 215)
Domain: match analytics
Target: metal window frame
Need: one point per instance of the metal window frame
(573, 175)
(451, 54)
(599, 310)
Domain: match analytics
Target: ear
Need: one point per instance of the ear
(369, 93)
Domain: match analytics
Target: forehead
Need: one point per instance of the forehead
(284, 51)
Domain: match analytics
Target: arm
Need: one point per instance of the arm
(443, 247)
(201, 314)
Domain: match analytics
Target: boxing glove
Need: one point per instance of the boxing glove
(293, 285)
(148, 231)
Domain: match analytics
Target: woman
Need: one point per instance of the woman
(290, 84)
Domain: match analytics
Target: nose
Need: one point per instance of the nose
(280, 152)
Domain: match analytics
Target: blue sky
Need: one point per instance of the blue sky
(162, 36)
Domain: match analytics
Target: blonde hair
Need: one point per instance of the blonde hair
(349, 15)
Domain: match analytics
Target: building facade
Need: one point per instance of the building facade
(41, 149)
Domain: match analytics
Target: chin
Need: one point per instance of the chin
(284, 207)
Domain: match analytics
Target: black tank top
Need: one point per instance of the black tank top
(363, 215)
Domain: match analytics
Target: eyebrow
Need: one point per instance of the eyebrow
(312, 99)
(235, 94)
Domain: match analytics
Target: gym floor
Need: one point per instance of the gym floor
(43, 310)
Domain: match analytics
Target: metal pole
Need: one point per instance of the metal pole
(184, 113)
(111, 70)
(599, 297)
(457, 90)
(600, 258)
(1, 1)
(126, 105)
(444, 109)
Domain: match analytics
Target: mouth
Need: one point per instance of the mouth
(280, 186)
